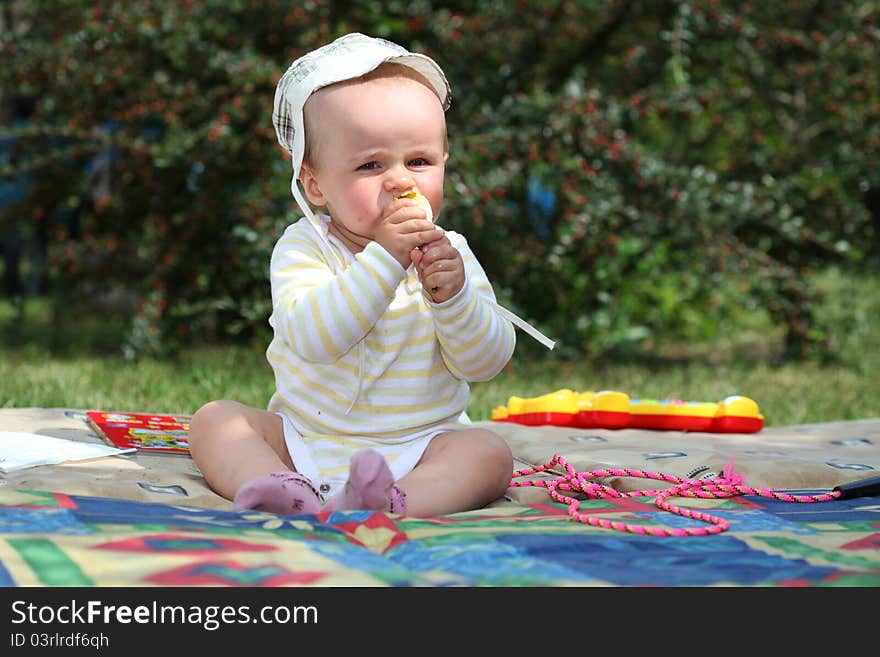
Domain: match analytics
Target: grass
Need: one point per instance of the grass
(45, 362)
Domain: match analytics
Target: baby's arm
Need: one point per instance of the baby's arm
(476, 341)
(323, 313)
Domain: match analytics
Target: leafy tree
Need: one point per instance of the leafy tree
(625, 170)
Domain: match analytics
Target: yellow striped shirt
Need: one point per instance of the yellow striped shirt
(359, 351)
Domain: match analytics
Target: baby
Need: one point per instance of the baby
(380, 317)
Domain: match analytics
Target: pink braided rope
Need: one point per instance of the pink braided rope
(728, 484)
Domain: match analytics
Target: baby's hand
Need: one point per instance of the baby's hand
(441, 269)
(405, 228)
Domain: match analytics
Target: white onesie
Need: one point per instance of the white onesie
(363, 358)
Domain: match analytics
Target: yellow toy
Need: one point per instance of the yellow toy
(609, 409)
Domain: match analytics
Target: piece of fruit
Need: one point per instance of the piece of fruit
(414, 194)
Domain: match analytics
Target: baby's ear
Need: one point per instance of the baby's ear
(311, 186)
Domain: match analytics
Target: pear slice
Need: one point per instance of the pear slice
(426, 206)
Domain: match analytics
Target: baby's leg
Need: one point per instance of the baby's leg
(243, 456)
(459, 471)
(370, 485)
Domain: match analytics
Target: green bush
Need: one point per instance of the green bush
(625, 171)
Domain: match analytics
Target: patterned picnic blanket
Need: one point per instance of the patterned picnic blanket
(51, 539)
(118, 521)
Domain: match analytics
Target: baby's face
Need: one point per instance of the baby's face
(373, 140)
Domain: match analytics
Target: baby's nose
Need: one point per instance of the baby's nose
(397, 182)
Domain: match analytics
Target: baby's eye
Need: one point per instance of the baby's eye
(418, 162)
(368, 166)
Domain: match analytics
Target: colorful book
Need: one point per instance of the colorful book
(145, 432)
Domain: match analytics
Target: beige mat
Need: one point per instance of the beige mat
(815, 456)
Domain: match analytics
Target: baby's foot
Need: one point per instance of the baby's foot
(370, 485)
(286, 493)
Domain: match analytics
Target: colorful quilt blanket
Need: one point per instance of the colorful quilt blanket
(150, 521)
(51, 539)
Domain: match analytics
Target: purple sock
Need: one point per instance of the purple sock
(285, 493)
(370, 485)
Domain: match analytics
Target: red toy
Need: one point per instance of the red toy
(609, 409)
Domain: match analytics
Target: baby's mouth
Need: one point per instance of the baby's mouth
(416, 195)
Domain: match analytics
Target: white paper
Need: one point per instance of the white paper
(19, 450)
